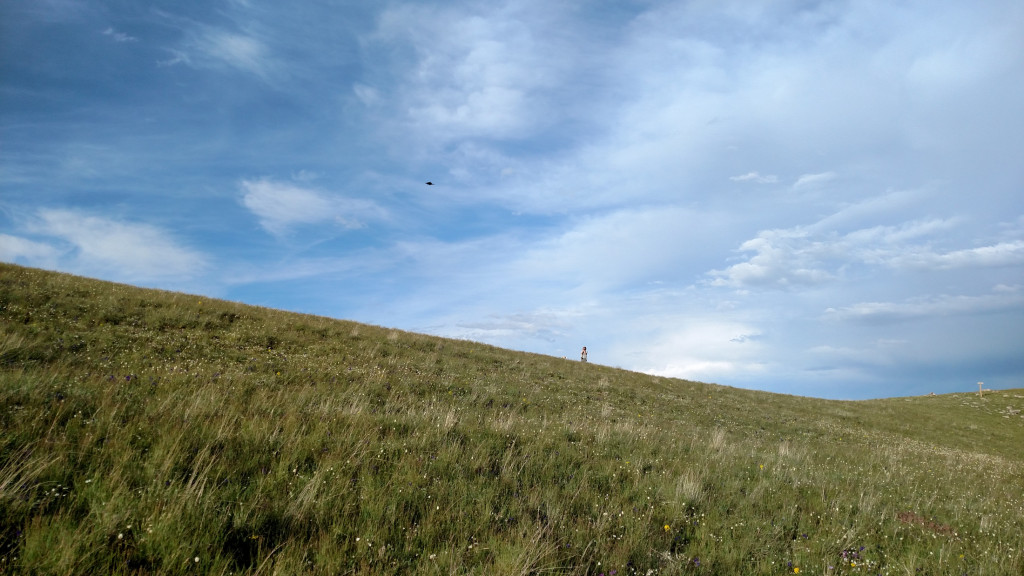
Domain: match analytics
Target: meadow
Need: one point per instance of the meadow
(150, 432)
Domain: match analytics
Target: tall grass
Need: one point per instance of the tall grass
(154, 432)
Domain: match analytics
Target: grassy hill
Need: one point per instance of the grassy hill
(154, 432)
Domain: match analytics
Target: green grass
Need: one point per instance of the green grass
(154, 432)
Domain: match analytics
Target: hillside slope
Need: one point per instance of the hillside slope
(154, 432)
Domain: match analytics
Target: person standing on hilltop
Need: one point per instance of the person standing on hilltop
(583, 355)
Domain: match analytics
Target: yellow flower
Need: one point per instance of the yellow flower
(796, 570)
(762, 466)
(667, 527)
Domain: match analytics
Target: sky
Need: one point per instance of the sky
(814, 198)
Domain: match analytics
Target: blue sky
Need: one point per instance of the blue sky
(815, 198)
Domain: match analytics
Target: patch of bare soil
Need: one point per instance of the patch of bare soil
(930, 525)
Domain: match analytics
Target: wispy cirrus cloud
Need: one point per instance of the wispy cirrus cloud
(22, 250)
(1001, 298)
(205, 46)
(549, 326)
(756, 178)
(111, 248)
(117, 36)
(808, 180)
(237, 50)
(1000, 254)
(281, 206)
(472, 73)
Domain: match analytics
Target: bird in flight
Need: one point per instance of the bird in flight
(430, 183)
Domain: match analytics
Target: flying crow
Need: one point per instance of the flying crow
(430, 183)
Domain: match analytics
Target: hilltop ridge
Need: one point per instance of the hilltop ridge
(149, 431)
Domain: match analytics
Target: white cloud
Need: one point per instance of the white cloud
(210, 47)
(755, 178)
(878, 353)
(822, 251)
(119, 36)
(483, 73)
(701, 348)
(17, 249)
(806, 180)
(543, 325)
(894, 235)
(1001, 254)
(57, 11)
(368, 95)
(619, 249)
(1003, 298)
(122, 250)
(238, 50)
(782, 258)
(580, 259)
(282, 205)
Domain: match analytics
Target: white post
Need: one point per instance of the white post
(979, 389)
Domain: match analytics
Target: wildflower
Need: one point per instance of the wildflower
(197, 559)
(796, 570)
(667, 527)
